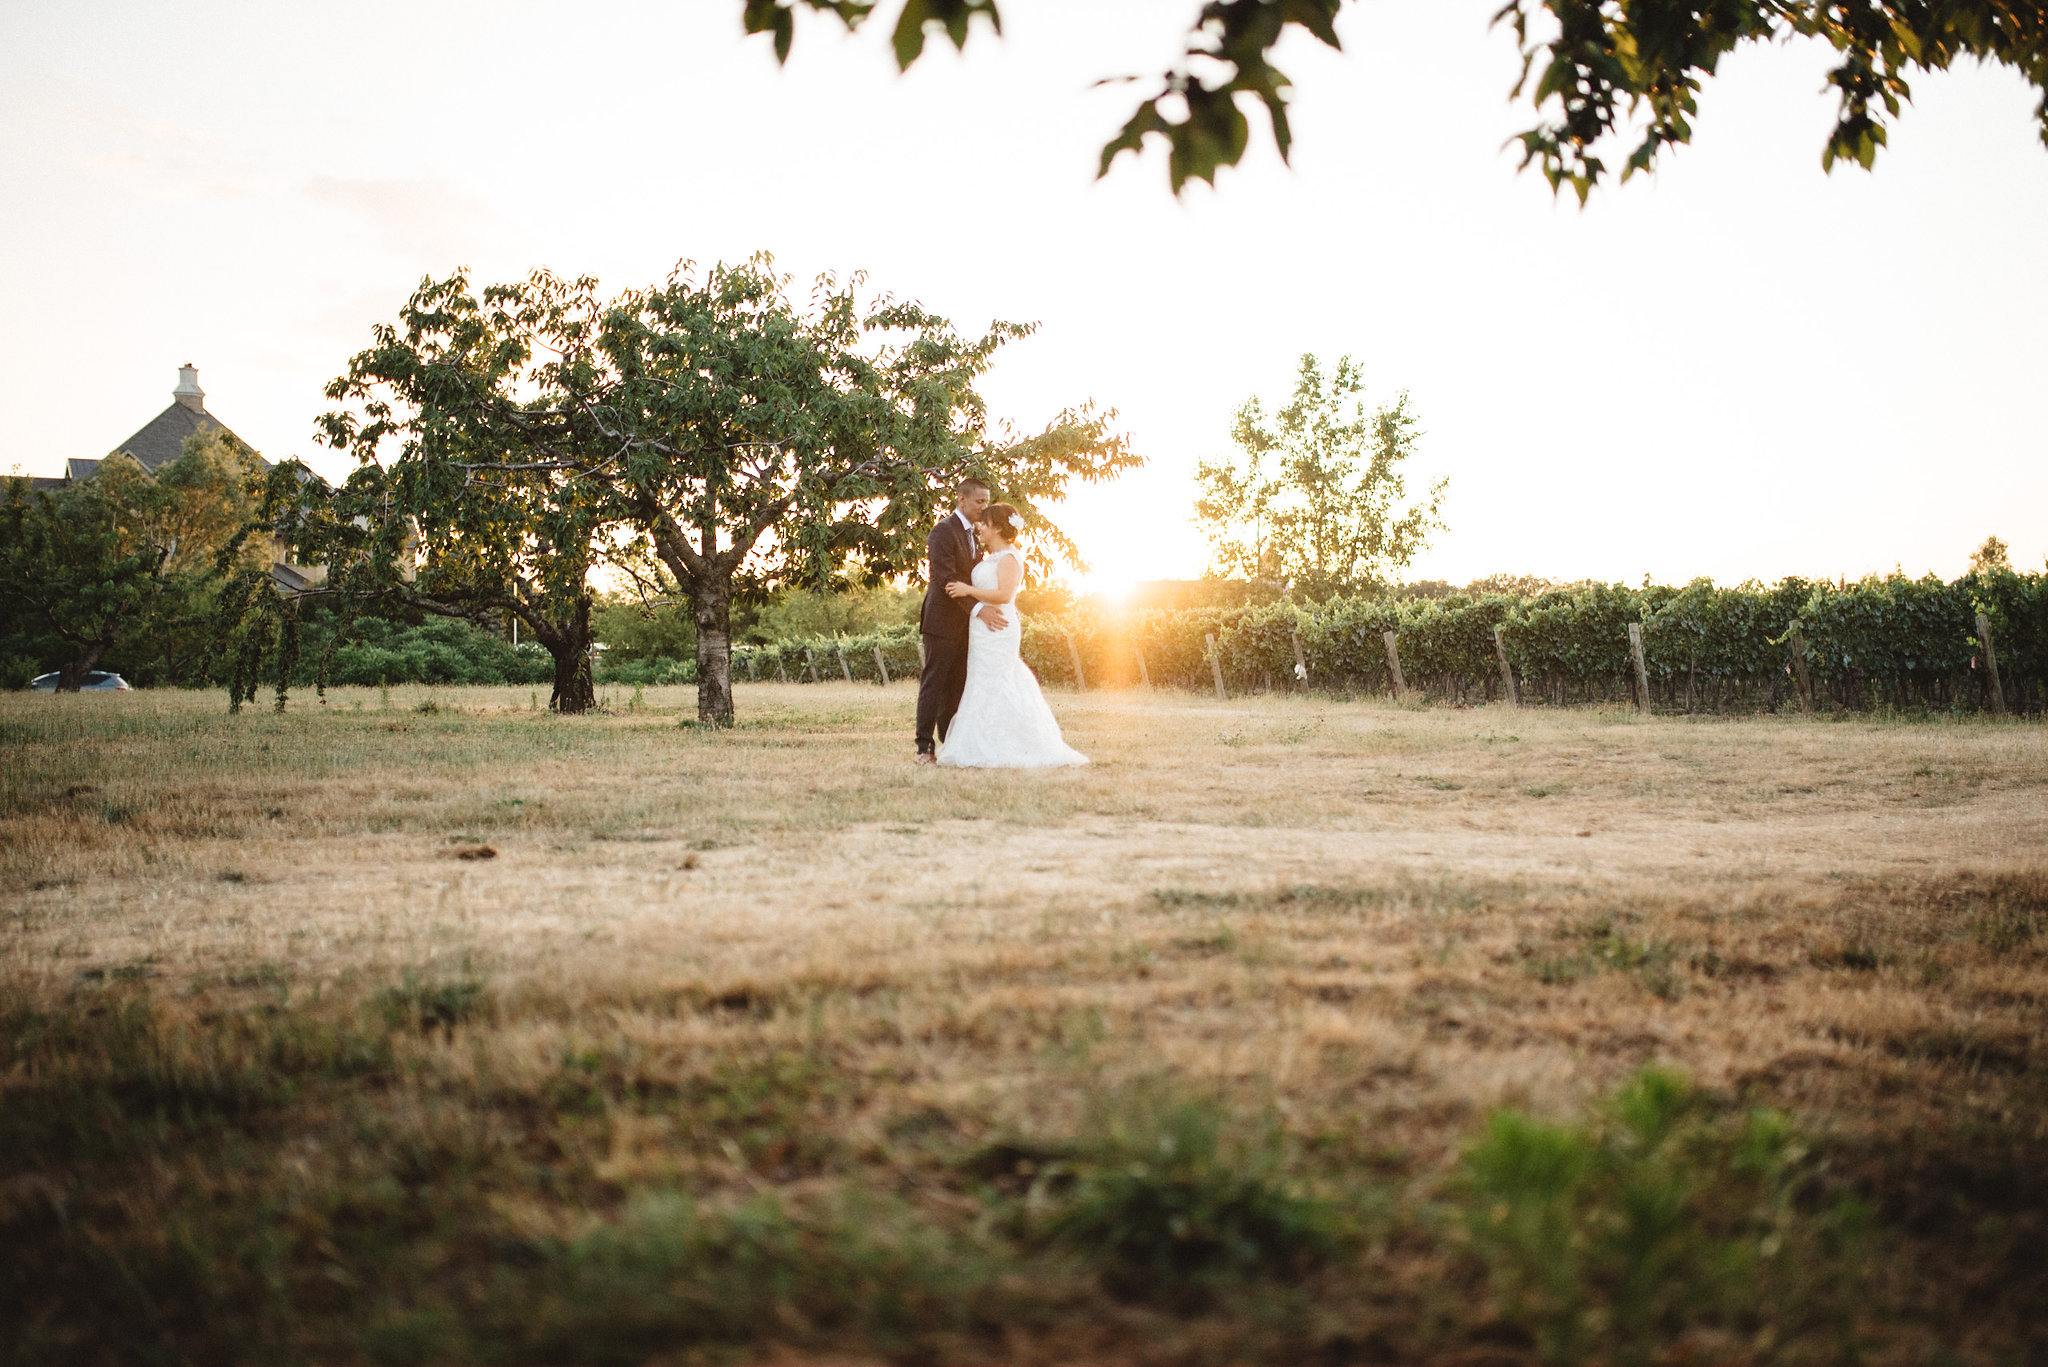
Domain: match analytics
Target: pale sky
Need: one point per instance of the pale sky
(1742, 367)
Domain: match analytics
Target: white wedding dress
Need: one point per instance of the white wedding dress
(1003, 722)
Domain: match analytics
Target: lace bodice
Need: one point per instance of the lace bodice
(984, 576)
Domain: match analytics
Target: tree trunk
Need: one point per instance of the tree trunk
(575, 692)
(568, 641)
(71, 676)
(712, 603)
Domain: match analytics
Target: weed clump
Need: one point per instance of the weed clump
(1605, 948)
(426, 1007)
(1171, 1204)
(1658, 1226)
(2010, 913)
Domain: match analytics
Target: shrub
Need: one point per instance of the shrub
(646, 673)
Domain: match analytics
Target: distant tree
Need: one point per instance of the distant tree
(629, 629)
(91, 567)
(1178, 595)
(795, 613)
(1591, 71)
(1517, 586)
(1316, 502)
(1992, 555)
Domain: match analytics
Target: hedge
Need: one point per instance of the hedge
(432, 652)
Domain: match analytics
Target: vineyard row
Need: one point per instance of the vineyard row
(1898, 642)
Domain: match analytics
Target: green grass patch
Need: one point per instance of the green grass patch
(425, 1006)
(1172, 1197)
(1661, 1229)
(1601, 946)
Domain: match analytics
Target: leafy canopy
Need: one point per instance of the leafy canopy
(1593, 70)
(90, 568)
(447, 512)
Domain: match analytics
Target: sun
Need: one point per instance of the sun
(1113, 589)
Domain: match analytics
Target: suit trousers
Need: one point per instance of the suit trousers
(938, 688)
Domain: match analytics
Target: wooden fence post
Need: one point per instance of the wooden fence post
(1144, 675)
(881, 666)
(780, 672)
(1300, 660)
(1991, 664)
(810, 664)
(1074, 652)
(752, 676)
(1507, 673)
(844, 668)
(1215, 664)
(1804, 690)
(1394, 664)
(1635, 648)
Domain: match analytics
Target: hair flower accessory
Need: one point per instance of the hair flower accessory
(1016, 522)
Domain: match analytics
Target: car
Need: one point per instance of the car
(97, 681)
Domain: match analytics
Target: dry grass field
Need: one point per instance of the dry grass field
(426, 1027)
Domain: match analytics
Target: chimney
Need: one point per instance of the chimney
(188, 391)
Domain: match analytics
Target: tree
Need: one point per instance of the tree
(1992, 555)
(707, 429)
(462, 520)
(1591, 70)
(88, 568)
(1317, 504)
(774, 445)
(409, 539)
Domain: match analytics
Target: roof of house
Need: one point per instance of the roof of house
(162, 439)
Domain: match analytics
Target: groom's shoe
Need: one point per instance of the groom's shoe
(927, 757)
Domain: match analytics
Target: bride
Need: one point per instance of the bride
(1003, 722)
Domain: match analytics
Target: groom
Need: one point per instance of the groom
(951, 552)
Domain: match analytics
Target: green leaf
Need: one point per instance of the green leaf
(908, 39)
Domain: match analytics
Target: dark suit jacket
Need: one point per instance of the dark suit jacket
(951, 554)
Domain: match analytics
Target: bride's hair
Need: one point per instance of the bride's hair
(1004, 519)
